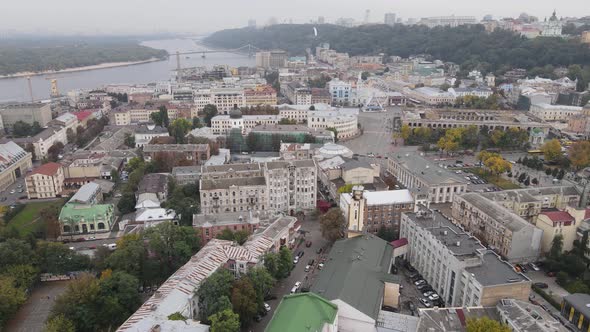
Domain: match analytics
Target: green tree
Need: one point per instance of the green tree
(451, 141)
(286, 121)
(179, 128)
(332, 224)
(271, 264)
(60, 323)
(243, 299)
(25, 276)
(386, 233)
(126, 203)
(241, 236)
(81, 304)
(551, 150)
(485, 324)
(556, 246)
(130, 256)
(285, 262)
(263, 283)
(21, 129)
(172, 245)
(119, 292)
(225, 234)
(225, 321)
(212, 291)
(57, 258)
(71, 136)
(16, 252)
(160, 117)
(197, 123)
(209, 111)
(54, 151)
(11, 298)
(129, 140)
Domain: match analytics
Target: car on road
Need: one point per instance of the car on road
(267, 307)
(308, 244)
(419, 282)
(320, 266)
(534, 267)
(296, 287)
(541, 285)
(424, 287)
(370, 155)
(307, 268)
(12, 191)
(434, 297)
(426, 303)
(296, 260)
(300, 253)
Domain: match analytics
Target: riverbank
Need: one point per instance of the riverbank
(77, 69)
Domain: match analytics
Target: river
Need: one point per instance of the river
(16, 89)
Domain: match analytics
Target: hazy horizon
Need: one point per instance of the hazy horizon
(71, 17)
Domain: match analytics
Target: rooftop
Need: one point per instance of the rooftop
(10, 153)
(581, 302)
(425, 169)
(302, 312)
(529, 317)
(387, 197)
(76, 212)
(558, 216)
(355, 272)
(212, 184)
(496, 211)
(232, 168)
(49, 169)
(85, 193)
(152, 183)
(151, 129)
(176, 147)
(285, 164)
(229, 218)
(452, 319)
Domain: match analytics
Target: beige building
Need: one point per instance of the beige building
(46, 181)
(510, 235)
(125, 117)
(14, 163)
(548, 112)
(26, 112)
(44, 140)
(554, 223)
(459, 268)
(225, 99)
(415, 171)
(260, 95)
(292, 185)
(345, 123)
(234, 195)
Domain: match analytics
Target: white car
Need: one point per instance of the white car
(320, 266)
(296, 287)
(426, 303)
(434, 297)
(420, 282)
(296, 260)
(267, 307)
(535, 267)
(307, 268)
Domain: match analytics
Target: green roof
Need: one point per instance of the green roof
(77, 212)
(302, 312)
(356, 272)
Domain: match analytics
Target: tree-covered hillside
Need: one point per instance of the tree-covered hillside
(470, 46)
(19, 55)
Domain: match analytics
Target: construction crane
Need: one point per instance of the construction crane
(30, 89)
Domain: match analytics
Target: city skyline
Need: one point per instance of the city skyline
(183, 16)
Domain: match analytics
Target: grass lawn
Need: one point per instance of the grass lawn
(27, 220)
(497, 180)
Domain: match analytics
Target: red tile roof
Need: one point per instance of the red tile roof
(49, 169)
(400, 242)
(83, 115)
(587, 214)
(558, 216)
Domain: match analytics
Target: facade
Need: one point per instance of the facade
(346, 124)
(125, 117)
(342, 92)
(458, 267)
(450, 21)
(223, 124)
(299, 132)
(14, 164)
(46, 181)
(432, 96)
(225, 99)
(304, 311)
(260, 95)
(555, 223)
(186, 174)
(195, 154)
(415, 171)
(274, 59)
(575, 309)
(320, 96)
(369, 211)
(297, 93)
(211, 225)
(234, 195)
(511, 236)
(43, 140)
(26, 112)
(76, 218)
(548, 112)
(292, 185)
(145, 133)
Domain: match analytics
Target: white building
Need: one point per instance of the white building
(225, 99)
(14, 163)
(146, 133)
(475, 92)
(344, 121)
(451, 21)
(342, 92)
(292, 185)
(548, 112)
(552, 27)
(459, 268)
(431, 96)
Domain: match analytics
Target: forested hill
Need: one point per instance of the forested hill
(20, 55)
(466, 45)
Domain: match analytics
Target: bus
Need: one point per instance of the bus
(535, 152)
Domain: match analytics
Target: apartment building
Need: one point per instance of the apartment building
(320, 96)
(46, 181)
(234, 195)
(225, 99)
(211, 225)
(260, 95)
(125, 117)
(194, 154)
(145, 133)
(14, 163)
(223, 124)
(414, 171)
(370, 210)
(297, 93)
(25, 112)
(432, 96)
(548, 112)
(232, 171)
(292, 185)
(510, 235)
(458, 267)
(271, 59)
(575, 309)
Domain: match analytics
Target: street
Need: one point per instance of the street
(311, 226)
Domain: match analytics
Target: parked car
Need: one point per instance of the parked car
(296, 260)
(319, 251)
(534, 267)
(267, 307)
(434, 297)
(308, 244)
(424, 287)
(420, 282)
(426, 303)
(311, 262)
(296, 287)
(307, 268)
(428, 293)
(320, 266)
(300, 253)
(541, 285)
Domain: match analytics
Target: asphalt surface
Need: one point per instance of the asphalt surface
(312, 227)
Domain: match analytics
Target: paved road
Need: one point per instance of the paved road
(32, 315)
(283, 287)
(554, 289)
(377, 136)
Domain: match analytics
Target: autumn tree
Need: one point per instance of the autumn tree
(485, 324)
(332, 224)
(11, 298)
(406, 131)
(579, 154)
(451, 141)
(551, 150)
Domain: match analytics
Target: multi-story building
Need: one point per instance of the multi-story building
(43, 140)
(260, 95)
(389, 19)
(415, 171)
(450, 21)
(297, 93)
(67, 120)
(195, 154)
(76, 218)
(501, 229)
(90, 193)
(314, 314)
(432, 96)
(292, 185)
(126, 116)
(211, 225)
(234, 195)
(548, 112)
(342, 92)
(225, 99)
(296, 113)
(14, 163)
(145, 133)
(271, 59)
(154, 183)
(25, 112)
(370, 210)
(298, 132)
(223, 124)
(186, 174)
(232, 171)
(458, 267)
(574, 308)
(345, 123)
(46, 181)
(320, 96)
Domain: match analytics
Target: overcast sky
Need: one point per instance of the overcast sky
(203, 16)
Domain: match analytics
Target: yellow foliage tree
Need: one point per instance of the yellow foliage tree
(406, 131)
(579, 154)
(452, 140)
(552, 149)
(485, 324)
(497, 164)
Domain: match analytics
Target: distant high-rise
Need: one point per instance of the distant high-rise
(389, 19)
(367, 15)
(321, 20)
(251, 23)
